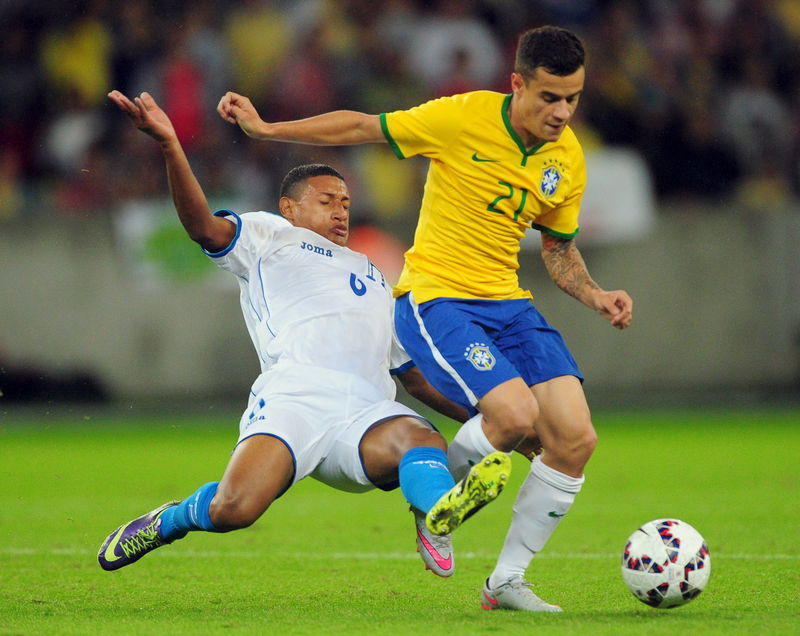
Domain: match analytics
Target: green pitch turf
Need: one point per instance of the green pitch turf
(325, 562)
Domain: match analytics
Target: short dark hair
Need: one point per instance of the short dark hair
(300, 174)
(554, 49)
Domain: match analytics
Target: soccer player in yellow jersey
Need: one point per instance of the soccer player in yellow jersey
(499, 165)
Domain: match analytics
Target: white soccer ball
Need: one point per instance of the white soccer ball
(666, 563)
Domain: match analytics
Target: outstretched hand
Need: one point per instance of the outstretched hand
(146, 115)
(238, 109)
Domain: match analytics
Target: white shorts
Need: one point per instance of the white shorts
(321, 415)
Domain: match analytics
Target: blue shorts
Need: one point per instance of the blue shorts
(466, 347)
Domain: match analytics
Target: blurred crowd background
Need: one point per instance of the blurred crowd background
(690, 121)
(707, 91)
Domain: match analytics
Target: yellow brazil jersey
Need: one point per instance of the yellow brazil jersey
(483, 190)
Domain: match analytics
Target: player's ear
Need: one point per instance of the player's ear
(517, 82)
(287, 206)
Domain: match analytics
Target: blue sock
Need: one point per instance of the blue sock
(190, 514)
(424, 476)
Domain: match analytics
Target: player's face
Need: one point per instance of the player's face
(322, 207)
(543, 105)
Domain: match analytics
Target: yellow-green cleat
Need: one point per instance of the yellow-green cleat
(482, 484)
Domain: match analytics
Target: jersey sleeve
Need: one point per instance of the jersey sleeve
(254, 233)
(562, 220)
(426, 129)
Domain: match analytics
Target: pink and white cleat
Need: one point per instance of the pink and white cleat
(436, 550)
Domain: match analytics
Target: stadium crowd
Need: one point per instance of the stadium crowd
(707, 91)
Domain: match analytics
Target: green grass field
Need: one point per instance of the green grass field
(325, 562)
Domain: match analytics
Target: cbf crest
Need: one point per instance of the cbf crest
(551, 177)
(480, 356)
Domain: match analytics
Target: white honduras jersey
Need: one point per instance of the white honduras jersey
(309, 301)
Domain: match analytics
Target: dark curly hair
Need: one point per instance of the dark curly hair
(554, 49)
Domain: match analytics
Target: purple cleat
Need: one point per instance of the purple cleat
(132, 540)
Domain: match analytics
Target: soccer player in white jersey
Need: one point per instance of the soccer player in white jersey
(320, 317)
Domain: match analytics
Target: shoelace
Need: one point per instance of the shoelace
(516, 583)
(440, 542)
(144, 539)
(523, 584)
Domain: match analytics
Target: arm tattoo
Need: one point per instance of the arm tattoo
(566, 267)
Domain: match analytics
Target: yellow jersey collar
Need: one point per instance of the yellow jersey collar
(505, 111)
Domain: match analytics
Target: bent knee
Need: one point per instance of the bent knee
(424, 436)
(585, 444)
(518, 418)
(574, 450)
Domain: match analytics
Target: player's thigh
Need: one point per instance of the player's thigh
(384, 444)
(564, 420)
(261, 468)
(345, 465)
(298, 416)
(455, 353)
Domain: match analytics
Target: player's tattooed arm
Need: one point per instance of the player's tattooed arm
(566, 267)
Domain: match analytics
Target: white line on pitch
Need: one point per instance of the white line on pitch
(249, 554)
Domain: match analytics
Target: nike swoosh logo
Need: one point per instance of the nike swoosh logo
(443, 563)
(489, 599)
(109, 555)
(475, 157)
(554, 514)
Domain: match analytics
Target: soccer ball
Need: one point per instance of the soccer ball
(666, 563)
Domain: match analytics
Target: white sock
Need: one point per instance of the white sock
(469, 446)
(543, 499)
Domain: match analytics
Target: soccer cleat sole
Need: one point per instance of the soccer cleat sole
(484, 482)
